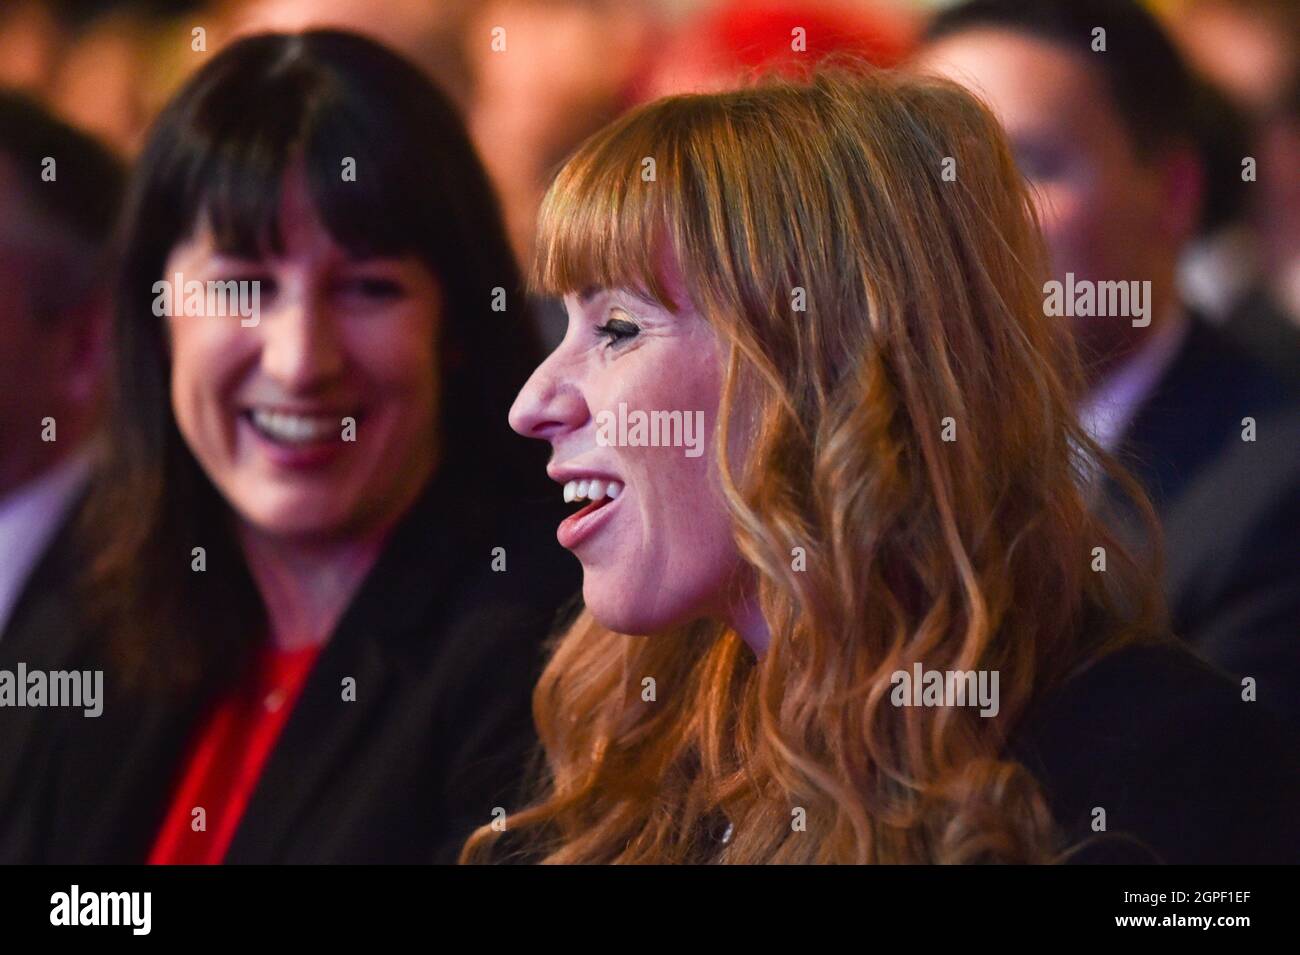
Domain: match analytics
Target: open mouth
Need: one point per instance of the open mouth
(295, 430)
(591, 494)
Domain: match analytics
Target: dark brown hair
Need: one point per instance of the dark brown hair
(221, 148)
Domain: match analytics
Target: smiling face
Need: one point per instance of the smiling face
(262, 405)
(661, 552)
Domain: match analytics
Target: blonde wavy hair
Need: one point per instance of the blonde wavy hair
(922, 297)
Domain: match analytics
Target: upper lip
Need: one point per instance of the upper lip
(563, 474)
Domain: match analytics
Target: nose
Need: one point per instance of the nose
(301, 348)
(549, 404)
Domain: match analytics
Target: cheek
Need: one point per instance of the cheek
(686, 550)
(1139, 210)
(1071, 224)
(701, 528)
(398, 361)
(669, 559)
(206, 357)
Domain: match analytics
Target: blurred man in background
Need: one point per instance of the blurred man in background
(1243, 272)
(59, 192)
(1103, 128)
(546, 74)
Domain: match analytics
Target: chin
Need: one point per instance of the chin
(296, 518)
(630, 612)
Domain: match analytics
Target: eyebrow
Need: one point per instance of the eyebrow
(587, 294)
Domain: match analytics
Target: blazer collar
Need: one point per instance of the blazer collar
(394, 608)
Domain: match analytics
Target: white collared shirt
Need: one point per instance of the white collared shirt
(29, 519)
(1110, 407)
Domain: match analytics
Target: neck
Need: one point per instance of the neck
(1102, 360)
(306, 586)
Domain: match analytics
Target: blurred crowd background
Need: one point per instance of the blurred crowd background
(534, 77)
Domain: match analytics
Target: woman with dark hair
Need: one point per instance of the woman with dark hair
(319, 586)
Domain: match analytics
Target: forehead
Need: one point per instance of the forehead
(297, 218)
(595, 297)
(1028, 82)
(670, 275)
(299, 229)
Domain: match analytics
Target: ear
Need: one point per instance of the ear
(1182, 193)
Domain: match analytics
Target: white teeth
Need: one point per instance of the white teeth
(591, 490)
(295, 428)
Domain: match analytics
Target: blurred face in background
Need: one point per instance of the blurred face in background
(50, 360)
(1245, 49)
(1106, 212)
(661, 552)
(265, 408)
(28, 383)
(557, 79)
(1277, 208)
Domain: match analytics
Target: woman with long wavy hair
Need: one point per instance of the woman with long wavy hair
(888, 501)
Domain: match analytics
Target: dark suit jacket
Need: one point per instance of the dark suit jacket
(1230, 509)
(44, 631)
(1184, 769)
(444, 651)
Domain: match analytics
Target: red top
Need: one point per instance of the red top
(227, 758)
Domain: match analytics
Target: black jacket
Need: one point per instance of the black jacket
(1230, 509)
(45, 631)
(444, 651)
(1185, 770)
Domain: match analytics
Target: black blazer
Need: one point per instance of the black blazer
(1185, 770)
(444, 651)
(1230, 509)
